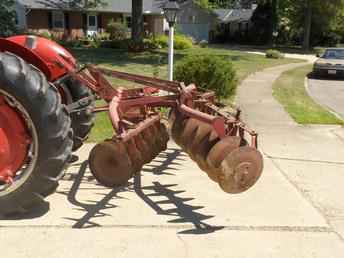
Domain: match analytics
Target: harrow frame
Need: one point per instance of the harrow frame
(188, 100)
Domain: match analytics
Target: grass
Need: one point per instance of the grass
(289, 90)
(155, 64)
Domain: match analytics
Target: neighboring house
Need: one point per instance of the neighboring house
(233, 22)
(65, 19)
(195, 21)
(201, 24)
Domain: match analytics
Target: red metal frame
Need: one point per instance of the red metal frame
(49, 57)
(130, 109)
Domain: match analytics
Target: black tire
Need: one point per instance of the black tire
(83, 119)
(53, 133)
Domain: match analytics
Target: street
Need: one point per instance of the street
(329, 93)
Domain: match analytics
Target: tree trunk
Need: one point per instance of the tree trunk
(307, 26)
(274, 22)
(137, 20)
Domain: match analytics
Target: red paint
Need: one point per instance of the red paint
(14, 141)
(52, 59)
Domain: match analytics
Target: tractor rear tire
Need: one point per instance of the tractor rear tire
(50, 121)
(83, 119)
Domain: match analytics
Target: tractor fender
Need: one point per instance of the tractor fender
(52, 59)
(26, 54)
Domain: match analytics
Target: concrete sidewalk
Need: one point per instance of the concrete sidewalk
(311, 157)
(174, 210)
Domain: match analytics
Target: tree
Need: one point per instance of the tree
(137, 20)
(87, 4)
(307, 25)
(7, 18)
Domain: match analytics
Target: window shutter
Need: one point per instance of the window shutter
(50, 20)
(99, 17)
(66, 17)
(84, 22)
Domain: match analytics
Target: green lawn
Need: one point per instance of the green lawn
(155, 63)
(290, 91)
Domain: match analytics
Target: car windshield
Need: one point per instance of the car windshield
(334, 54)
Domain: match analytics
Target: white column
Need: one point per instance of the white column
(170, 53)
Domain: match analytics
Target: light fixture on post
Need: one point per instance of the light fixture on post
(171, 9)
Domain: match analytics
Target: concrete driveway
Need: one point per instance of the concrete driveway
(329, 93)
(173, 210)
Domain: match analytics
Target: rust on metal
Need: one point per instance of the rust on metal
(110, 164)
(240, 170)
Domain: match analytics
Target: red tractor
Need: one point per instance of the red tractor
(47, 111)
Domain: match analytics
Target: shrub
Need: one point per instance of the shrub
(151, 43)
(203, 43)
(45, 34)
(161, 40)
(274, 54)
(95, 43)
(117, 30)
(182, 42)
(208, 72)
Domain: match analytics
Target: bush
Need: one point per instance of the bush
(208, 72)
(161, 40)
(117, 30)
(274, 54)
(180, 42)
(45, 34)
(95, 42)
(151, 43)
(203, 43)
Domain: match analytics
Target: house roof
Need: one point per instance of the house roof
(231, 15)
(117, 6)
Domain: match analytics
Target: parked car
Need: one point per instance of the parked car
(331, 63)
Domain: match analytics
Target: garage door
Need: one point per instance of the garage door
(196, 31)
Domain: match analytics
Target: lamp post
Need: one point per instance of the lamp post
(171, 9)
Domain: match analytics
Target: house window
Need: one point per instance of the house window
(92, 21)
(58, 20)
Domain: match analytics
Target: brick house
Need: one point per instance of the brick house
(64, 19)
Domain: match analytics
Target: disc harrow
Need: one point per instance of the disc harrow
(213, 138)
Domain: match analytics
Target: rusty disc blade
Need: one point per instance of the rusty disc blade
(189, 132)
(201, 140)
(201, 150)
(163, 133)
(156, 140)
(176, 128)
(200, 153)
(135, 156)
(157, 136)
(144, 149)
(240, 170)
(149, 138)
(224, 147)
(110, 164)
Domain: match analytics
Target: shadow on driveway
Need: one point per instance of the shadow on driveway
(180, 213)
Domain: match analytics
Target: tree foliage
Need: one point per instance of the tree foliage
(312, 22)
(88, 4)
(7, 18)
